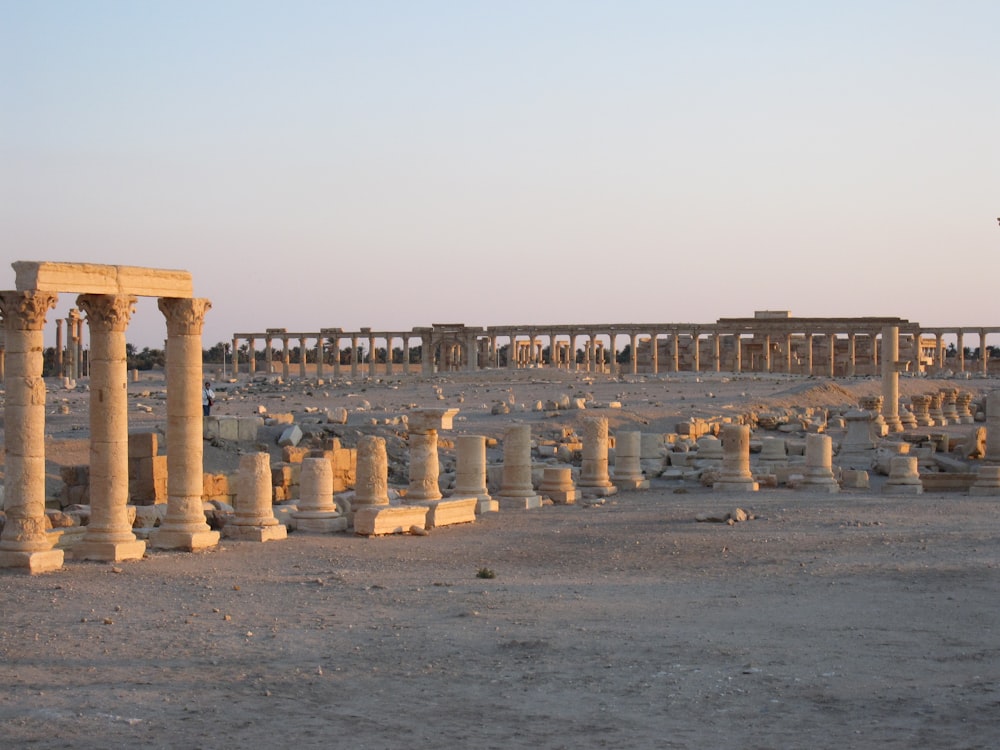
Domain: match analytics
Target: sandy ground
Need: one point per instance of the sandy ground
(829, 621)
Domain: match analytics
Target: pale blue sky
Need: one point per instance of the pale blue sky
(397, 164)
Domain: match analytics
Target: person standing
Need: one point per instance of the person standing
(207, 398)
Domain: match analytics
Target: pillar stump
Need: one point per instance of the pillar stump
(557, 485)
(516, 490)
(594, 468)
(987, 481)
(904, 479)
(371, 514)
(470, 473)
(628, 461)
(818, 475)
(109, 534)
(735, 475)
(317, 512)
(254, 519)
(24, 543)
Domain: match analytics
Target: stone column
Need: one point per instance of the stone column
(557, 485)
(371, 487)
(654, 353)
(354, 357)
(516, 489)
(406, 355)
(960, 346)
(675, 351)
(269, 354)
(767, 353)
(737, 353)
(73, 335)
(336, 356)
(372, 356)
(320, 354)
(254, 519)
(984, 353)
(184, 526)
(285, 359)
(696, 352)
(424, 466)
(809, 354)
(832, 342)
(628, 457)
(852, 354)
(302, 357)
(992, 456)
(904, 478)
(251, 356)
(109, 534)
(819, 464)
(317, 511)
(890, 378)
(59, 348)
(24, 542)
(594, 468)
(938, 349)
(634, 353)
(734, 475)
(470, 473)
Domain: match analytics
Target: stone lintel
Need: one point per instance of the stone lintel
(423, 420)
(94, 278)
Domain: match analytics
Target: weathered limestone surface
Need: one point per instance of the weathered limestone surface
(470, 473)
(628, 466)
(735, 475)
(904, 478)
(557, 484)
(594, 468)
(254, 518)
(818, 475)
(374, 520)
(317, 512)
(93, 278)
(516, 489)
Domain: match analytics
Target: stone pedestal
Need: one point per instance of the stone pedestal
(557, 484)
(470, 473)
(735, 475)
(377, 520)
(317, 512)
(921, 410)
(949, 406)
(109, 534)
(24, 543)
(184, 527)
(904, 478)
(857, 449)
(594, 469)
(709, 453)
(987, 481)
(628, 467)
(818, 474)
(935, 411)
(449, 511)
(772, 454)
(516, 490)
(254, 518)
(962, 402)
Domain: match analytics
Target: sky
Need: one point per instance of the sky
(399, 163)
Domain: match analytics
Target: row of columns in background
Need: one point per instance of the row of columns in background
(24, 542)
(527, 350)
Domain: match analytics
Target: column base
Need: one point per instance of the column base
(375, 520)
(632, 484)
(43, 561)
(902, 489)
(449, 512)
(747, 485)
(597, 490)
(189, 541)
(255, 533)
(108, 551)
(326, 525)
(559, 497)
(519, 503)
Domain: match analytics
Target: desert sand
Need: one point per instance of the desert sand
(852, 620)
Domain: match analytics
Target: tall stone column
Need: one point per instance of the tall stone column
(960, 347)
(984, 353)
(59, 348)
(372, 356)
(336, 356)
(890, 378)
(737, 353)
(320, 354)
(73, 344)
(236, 357)
(675, 351)
(302, 357)
(852, 355)
(716, 352)
(269, 354)
(594, 468)
(788, 352)
(634, 353)
(832, 361)
(251, 356)
(767, 353)
(354, 357)
(254, 519)
(810, 341)
(109, 534)
(285, 359)
(516, 488)
(470, 473)
(734, 474)
(372, 477)
(24, 542)
(184, 526)
(654, 353)
(696, 351)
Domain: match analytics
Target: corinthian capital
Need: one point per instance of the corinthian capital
(107, 312)
(25, 311)
(185, 316)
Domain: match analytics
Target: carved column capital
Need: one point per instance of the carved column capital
(185, 316)
(107, 312)
(25, 311)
